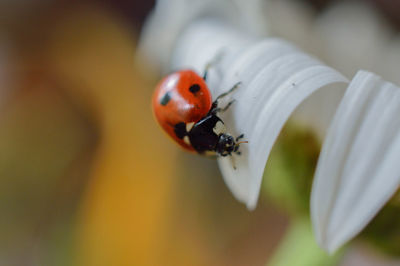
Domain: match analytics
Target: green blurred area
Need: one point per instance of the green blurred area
(289, 171)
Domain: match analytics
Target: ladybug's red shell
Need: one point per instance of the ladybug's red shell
(181, 97)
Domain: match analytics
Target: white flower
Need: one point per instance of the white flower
(357, 171)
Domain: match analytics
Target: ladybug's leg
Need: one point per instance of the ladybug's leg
(239, 137)
(214, 107)
(221, 110)
(210, 64)
(227, 106)
(236, 149)
(228, 92)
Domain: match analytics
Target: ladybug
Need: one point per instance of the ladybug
(183, 106)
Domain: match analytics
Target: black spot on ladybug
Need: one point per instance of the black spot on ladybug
(180, 130)
(165, 99)
(194, 88)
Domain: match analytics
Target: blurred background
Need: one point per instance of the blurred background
(86, 175)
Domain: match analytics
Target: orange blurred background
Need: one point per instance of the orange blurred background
(86, 175)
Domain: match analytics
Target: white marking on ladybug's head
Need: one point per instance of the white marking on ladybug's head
(189, 126)
(186, 140)
(219, 128)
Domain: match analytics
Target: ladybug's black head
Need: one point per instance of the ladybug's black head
(226, 145)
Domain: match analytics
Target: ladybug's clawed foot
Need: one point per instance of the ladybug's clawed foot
(239, 137)
(236, 149)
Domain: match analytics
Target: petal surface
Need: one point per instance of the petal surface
(358, 169)
(275, 79)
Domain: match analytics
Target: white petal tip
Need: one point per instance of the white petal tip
(331, 248)
(251, 206)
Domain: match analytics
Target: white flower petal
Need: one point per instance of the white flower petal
(275, 78)
(350, 30)
(358, 168)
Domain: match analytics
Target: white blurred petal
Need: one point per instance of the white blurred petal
(358, 170)
(294, 22)
(388, 64)
(171, 17)
(354, 35)
(194, 49)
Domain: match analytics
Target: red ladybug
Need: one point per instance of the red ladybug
(183, 106)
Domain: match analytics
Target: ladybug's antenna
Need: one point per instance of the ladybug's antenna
(240, 142)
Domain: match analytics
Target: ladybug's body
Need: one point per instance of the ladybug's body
(183, 106)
